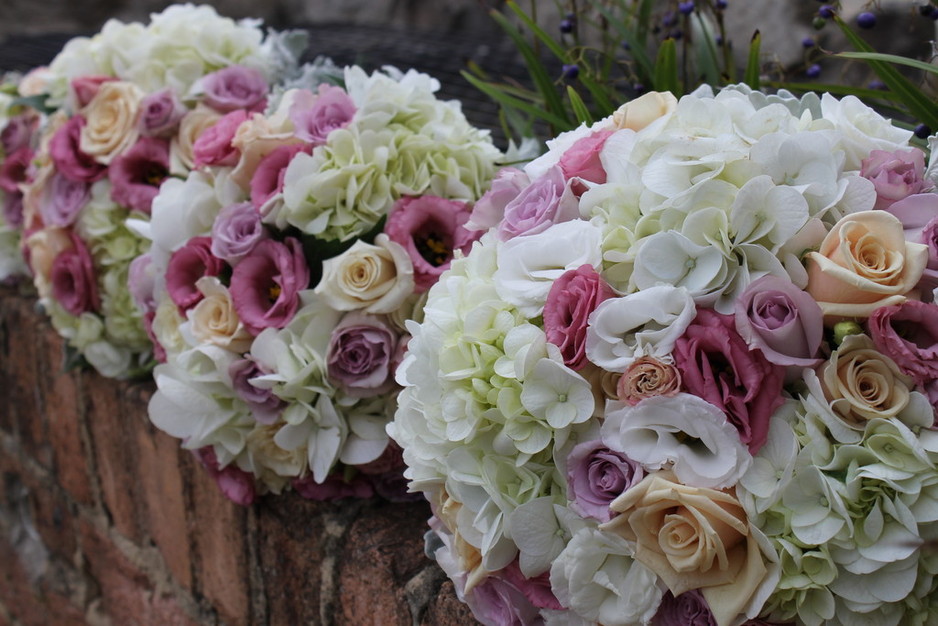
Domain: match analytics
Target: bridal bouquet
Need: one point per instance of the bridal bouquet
(283, 268)
(131, 100)
(688, 375)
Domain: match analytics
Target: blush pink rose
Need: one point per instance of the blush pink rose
(74, 285)
(267, 180)
(266, 284)
(186, 266)
(214, 147)
(431, 229)
(547, 201)
(570, 301)
(717, 365)
(69, 159)
(908, 334)
(314, 117)
(894, 175)
(136, 175)
(581, 160)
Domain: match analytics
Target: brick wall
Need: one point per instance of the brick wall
(104, 520)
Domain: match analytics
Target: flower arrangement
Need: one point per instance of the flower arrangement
(131, 101)
(282, 269)
(688, 375)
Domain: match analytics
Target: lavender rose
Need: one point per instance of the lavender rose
(265, 406)
(315, 116)
(235, 87)
(136, 175)
(688, 609)
(716, 365)
(784, 322)
(235, 232)
(597, 475)
(498, 602)
(186, 266)
(919, 216)
(908, 334)
(73, 279)
(894, 175)
(430, 228)
(360, 357)
(489, 210)
(570, 301)
(545, 202)
(160, 114)
(141, 282)
(68, 157)
(62, 199)
(266, 284)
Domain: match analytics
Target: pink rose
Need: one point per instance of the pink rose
(581, 160)
(894, 175)
(908, 334)
(266, 284)
(547, 201)
(570, 301)
(430, 228)
(717, 365)
(497, 601)
(74, 285)
(235, 87)
(213, 147)
(186, 266)
(267, 180)
(84, 88)
(360, 355)
(160, 114)
(489, 210)
(69, 159)
(647, 377)
(314, 117)
(780, 320)
(136, 175)
(537, 589)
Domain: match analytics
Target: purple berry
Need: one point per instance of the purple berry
(669, 19)
(813, 71)
(566, 26)
(877, 84)
(570, 72)
(866, 20)
(826, 11)
(677, 33)
(638, 88)
(807, 42)
(922, 131)
(686, 7)
(721, 4)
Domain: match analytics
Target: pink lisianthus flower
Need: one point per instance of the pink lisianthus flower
(431, 229)
(919, 216)
(136, 175)
(74, 285)
(235, 87)
(186, 266)
(333, 488)
(235, 483)
(69, 159)
(571, 299)
(213, 147)
(895, 175)
(315, 116)
(908, 334)
(13, 170)
(267, 180)
(18, 132)
(265, 285)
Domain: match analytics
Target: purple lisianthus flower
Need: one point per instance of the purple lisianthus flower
(265, 406)
(137, 174)
(67, 156)
(537, 589)
(431, 229)
(489, 210)
(547, 201)
(236, 484)
(688, 609)
(236, 231)
(266, 284)
(315, 116)
(235, 87)
(74, 285)
(596, 476)
(908, 334)
(186, 266)
(333, 488)
(160, 113)
(62, 199)
(18, 132)
(360, 356)
(267, 180)
(141, 281)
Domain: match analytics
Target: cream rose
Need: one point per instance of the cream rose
(693, 538)
(861, 383)
(44, 245)
(864, 263)
(193, 124)
(373, 278)
(639, 113)
(214, 320)
(111, 121)
(166, 323)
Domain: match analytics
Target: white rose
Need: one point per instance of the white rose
(375, 278)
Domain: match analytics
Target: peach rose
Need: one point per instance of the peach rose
(639, 113)
(214, 320)
(864, 263)
(44, 246)
(693, 538)
(861, 383)
(647, 377)
(192, 125)
(111, 121)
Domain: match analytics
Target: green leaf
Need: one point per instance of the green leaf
(919, 105)
(635, 42)
(495, 93)
(552, 45)
(666, 76)
(753, 66)
(890, 58)
(579, 107)
(37, 102)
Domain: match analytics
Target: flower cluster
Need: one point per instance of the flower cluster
(282, 269)
(688, 373)
(133, 98)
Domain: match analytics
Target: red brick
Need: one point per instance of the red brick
(52, 515)
(384, 550)
(219, 529)
(114, 451)
(163, 494)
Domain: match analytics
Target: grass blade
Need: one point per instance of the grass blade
(666, 76)
(579, 107)
(753, 66)
(495, 93)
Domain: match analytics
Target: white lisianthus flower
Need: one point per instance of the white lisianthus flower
(597, 578)
(684, 433)
(644, 323)
(528, 266)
